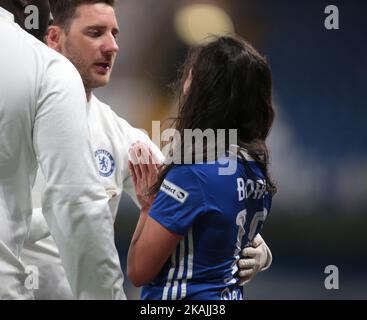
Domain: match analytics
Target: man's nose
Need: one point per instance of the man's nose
(110, 44)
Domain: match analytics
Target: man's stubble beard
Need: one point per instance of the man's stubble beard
(77, 60)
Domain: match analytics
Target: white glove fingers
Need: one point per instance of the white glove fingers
(258, 240)
(245, 273)
(246, 263)
(250, 252)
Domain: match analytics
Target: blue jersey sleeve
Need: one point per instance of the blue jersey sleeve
(179, 201)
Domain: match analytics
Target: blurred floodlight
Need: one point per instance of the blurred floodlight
(194, 23)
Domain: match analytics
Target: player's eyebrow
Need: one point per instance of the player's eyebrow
(115, 30)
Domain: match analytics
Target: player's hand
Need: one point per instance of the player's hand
(144, 169)
(255, 258)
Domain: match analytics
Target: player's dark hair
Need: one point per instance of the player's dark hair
(231, 88)
(63, 11)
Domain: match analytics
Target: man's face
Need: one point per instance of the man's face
(90, 43)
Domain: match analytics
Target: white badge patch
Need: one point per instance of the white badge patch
(174, 191)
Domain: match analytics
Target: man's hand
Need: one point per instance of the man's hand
(257, 258)
(144, 169)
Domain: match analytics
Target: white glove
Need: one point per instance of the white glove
(257, 258)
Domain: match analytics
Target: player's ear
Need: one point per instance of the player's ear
(54, 37)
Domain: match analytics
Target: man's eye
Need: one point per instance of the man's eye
(94, 33)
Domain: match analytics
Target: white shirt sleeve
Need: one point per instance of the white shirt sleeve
(74, 203)
(38, 228)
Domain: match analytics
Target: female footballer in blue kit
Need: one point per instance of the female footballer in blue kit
(195, 221)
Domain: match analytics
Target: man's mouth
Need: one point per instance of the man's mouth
(103, 67)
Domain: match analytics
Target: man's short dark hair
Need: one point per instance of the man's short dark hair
(63, 11)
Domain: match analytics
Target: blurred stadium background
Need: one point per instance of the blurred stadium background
(318, 143)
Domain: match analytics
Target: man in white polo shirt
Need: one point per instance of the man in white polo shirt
(43, 122)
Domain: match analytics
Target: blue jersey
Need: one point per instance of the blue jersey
(217, 215)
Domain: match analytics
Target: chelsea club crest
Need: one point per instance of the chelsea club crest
(105, 162)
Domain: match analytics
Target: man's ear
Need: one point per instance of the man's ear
(54, 38)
